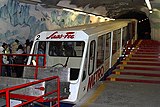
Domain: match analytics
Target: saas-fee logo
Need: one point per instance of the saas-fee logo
(56, 35)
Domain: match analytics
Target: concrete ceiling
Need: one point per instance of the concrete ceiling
(110, 8)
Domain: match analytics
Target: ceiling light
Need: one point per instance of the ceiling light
(112, 19)
(68, 10)
(91, 14)
(148, 4)
(150, 11)
(81, 13)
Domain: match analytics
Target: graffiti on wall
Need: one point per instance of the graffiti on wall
(23, 21)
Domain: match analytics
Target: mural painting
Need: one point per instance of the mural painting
(23, 21)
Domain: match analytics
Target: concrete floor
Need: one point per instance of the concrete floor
(123, 94)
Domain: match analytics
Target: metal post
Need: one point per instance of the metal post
(110, 64)
(7, 99)
(37, 63)
(1, 64)
(121, 42)
(44, 60)
(58, 92)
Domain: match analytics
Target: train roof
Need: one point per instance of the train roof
(87, 30)
(97, 28)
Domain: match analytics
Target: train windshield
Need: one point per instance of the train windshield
(59, 52)
(66, 49)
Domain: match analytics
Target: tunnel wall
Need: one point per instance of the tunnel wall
(155, 25)
(23, 21)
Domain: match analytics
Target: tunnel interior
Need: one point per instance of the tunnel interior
(143, 25)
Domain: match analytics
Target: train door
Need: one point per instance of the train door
(91, 58)
(107, 50)
(125, 37)
(116, 45)
(88, 69)
(40, 47)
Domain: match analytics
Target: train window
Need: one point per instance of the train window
(85, 67)
(130, 31)
(116, 40)
(74, 73)
(100, 50)
(91, 57)
(133, 28)
(108, 39)
(65, 48)
(125, 37)
(40, 48)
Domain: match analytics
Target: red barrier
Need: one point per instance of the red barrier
(27, 55)
(29, 99)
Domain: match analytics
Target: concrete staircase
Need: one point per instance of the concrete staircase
(141, 64)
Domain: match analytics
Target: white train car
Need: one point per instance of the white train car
(87, 51)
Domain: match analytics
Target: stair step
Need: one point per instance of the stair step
(149, 47)
(136, 72)
(144, 59)
(142, 65)
(148, 50)
(138, 67)
(155, 53)
(150, 63)
(139, 79)
(145, 56)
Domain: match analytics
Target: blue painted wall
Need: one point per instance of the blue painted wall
(23, 21)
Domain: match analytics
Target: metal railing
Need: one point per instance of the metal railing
(27, 99)
(30, 99)
(25, 55)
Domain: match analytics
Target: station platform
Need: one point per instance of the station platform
(122, 94)
(135, 81)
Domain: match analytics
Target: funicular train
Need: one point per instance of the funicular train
(85, 52)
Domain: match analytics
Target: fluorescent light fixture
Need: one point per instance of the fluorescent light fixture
(81, 13)
(68, 10)
(150, 11)
(99, 17)
(112, 19)
(91, 14)
(148, 4)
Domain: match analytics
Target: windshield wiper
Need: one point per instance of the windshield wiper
(66, 62)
